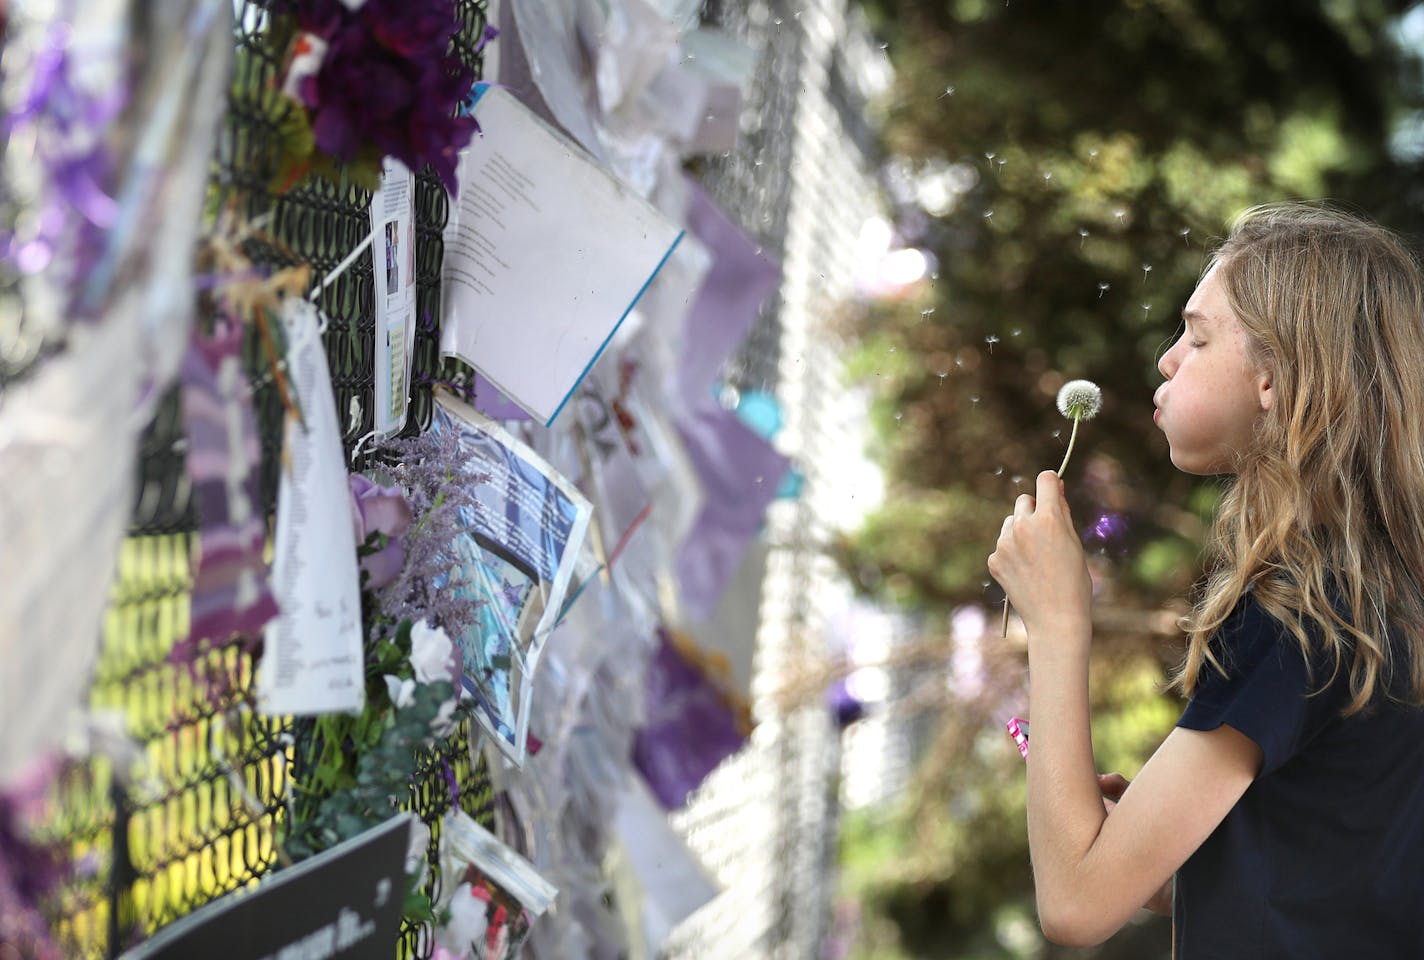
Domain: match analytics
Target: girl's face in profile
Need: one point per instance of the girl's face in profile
(1214, 393)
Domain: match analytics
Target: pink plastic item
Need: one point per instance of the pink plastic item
(1018, 729)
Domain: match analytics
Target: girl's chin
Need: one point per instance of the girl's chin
(1198, 466)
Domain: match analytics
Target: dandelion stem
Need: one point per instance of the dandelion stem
(1073, 437)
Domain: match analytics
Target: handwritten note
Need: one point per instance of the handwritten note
(313, 661)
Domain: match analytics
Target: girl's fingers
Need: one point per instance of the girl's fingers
(1023, 507)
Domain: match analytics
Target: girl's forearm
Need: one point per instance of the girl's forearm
(1065, 806)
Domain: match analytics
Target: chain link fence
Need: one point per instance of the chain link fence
(204, 818)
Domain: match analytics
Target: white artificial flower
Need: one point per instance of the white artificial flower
(430, 651)
(402, 691)
(464, 933)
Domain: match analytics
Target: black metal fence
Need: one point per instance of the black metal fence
(203, 820)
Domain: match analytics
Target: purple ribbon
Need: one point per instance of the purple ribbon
(451, 784)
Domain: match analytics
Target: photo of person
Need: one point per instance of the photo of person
(393, 244)
(515, 557)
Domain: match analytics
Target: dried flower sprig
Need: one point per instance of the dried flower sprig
(429, 469)
(1078, 400)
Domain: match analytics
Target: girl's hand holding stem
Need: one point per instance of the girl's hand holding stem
(1039, 561)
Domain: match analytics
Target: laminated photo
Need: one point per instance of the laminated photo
(517, 555)
(490, 896)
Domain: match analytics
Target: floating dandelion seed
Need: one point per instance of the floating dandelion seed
(948, 92)
(1082, 235)
(1016, 331)
(998, 471)
(1146, 269)
(926, 313)
(991, 339)
(1103, 287)
(1092, 154)
(1183, 234)
(974, 399)
(892, 349)
(1047, 175)
(1146, 309)
(989, 214)
(899, 417)
(942, 374)
(989, 155)
(1119, 213)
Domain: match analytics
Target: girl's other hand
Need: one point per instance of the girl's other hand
(1112, 785)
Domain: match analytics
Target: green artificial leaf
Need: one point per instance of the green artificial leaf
(418, 908)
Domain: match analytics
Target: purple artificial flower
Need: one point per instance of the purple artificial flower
(324, 18)
(412, 29)
(388, 81)
(378, 509)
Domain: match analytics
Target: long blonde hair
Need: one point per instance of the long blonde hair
(1325, 518)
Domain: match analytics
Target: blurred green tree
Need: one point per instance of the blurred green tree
(1067, 163)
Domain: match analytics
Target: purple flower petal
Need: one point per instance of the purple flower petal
(384, 565)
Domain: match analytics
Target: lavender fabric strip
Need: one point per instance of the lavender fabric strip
(740, 474)
(731, 296)
(689, 731)
(488, 400)
(230, 590)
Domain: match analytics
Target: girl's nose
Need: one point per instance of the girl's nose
(1167, 365)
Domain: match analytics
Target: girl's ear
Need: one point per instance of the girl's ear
(1265, 391)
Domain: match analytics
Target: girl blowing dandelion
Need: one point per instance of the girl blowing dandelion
(1284, 816)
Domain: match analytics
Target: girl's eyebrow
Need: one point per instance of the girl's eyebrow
(1196, 317)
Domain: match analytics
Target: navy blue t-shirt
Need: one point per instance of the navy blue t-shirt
(1323, 856)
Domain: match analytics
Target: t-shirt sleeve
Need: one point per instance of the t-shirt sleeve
(1266, 693)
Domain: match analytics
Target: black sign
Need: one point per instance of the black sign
(343, 904)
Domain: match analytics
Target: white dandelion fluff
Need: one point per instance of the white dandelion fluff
(1078, 400)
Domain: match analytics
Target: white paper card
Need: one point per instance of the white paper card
(313, 658)
(674, 885)
(545, 255)
(393, 224)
